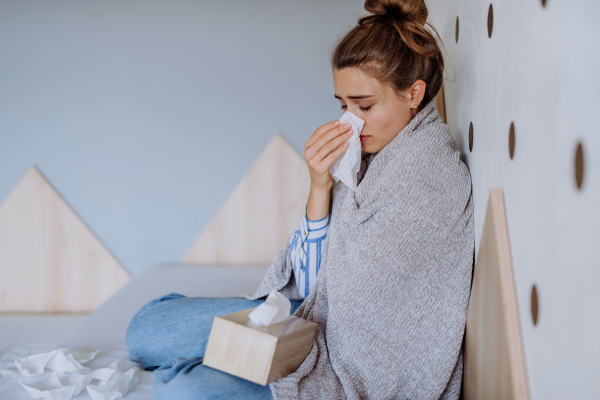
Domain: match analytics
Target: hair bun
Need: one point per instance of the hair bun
(398, 9)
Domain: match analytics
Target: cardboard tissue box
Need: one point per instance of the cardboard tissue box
(260, 354)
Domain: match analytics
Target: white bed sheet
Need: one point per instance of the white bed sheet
(105, 328)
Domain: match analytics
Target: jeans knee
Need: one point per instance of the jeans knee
(139, 332)
(189, 379)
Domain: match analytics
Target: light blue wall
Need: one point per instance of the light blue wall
(145, 115)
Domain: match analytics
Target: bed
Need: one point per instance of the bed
(494, 357)
(105, 327)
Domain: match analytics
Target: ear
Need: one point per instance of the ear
(417, 91)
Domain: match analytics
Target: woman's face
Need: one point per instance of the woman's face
(384, 111)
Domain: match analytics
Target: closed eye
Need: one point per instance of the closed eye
(362, 108)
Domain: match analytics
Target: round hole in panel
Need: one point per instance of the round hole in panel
(490, 20)
(456, 30)
(579, 165)
(535, 306)
(471, 137)
(511, 140)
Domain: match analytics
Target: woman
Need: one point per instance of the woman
(390, 298)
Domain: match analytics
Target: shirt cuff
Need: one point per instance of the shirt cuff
(314, 229)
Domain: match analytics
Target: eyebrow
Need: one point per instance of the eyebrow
(360, 96)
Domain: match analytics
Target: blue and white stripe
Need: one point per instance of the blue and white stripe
(306, 250)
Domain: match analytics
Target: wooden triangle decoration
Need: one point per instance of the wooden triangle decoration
(50, 261)
(494, 364)
(263, 210)
(440, 104)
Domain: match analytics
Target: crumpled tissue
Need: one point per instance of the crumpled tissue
(59, 360)
(346, 167)
(115, 381)
(276, 308)
(51, 389)
(118, 384)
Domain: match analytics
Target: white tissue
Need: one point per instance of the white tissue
(115, 381)
(69, 361)
(276, 308)
(346, 167)
(51, 389)
(117, 385)
(80, 379)
(34, 364)
(60, 360)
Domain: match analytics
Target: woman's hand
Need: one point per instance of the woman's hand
(325, 145)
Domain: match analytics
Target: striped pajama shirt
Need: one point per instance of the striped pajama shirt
(306, 250)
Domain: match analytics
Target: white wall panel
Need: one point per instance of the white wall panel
(539, 70)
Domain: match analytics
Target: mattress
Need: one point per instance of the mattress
(105, 328)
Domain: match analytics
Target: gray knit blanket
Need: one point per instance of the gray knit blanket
(391, 296)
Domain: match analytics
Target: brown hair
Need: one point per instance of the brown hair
(393, 46)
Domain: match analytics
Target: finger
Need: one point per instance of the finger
(320, 130)
(332, 139)
(327, 161)
(326, 138)
(331, 146)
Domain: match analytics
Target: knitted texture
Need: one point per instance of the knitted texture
(391, 296)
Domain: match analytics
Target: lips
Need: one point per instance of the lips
(364, 138)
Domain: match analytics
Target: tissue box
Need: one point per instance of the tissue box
(261, 354)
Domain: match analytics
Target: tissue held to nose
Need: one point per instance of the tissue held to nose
(276, 308)
(346, 167)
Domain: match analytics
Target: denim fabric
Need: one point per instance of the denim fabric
(176, 326)
(171, 332)
(188, 379)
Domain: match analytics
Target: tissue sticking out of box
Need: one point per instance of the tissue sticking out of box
(346, 167)
(276, 308)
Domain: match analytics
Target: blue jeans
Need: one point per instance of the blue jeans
(169, 335)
